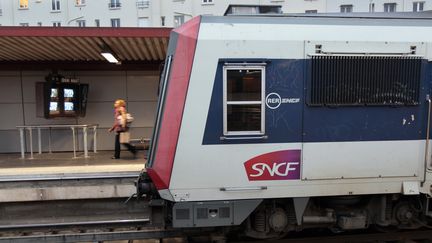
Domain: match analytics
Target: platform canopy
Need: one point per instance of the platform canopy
(82, 45)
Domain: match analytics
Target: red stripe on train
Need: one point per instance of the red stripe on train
(181, 68)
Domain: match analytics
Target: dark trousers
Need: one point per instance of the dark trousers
(117, 146)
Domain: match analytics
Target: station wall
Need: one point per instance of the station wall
(18, 107)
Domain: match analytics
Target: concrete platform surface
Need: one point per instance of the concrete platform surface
(63, 163)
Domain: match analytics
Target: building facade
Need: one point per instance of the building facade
(170, 13)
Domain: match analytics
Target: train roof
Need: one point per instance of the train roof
(391, 19)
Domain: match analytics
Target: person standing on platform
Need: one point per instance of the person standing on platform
(121, 128)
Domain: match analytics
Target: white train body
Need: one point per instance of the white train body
(288, 135)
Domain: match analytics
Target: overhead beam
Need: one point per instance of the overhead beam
(79, 65)
(84, 32)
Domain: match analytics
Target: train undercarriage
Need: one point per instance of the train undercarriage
(276, 218)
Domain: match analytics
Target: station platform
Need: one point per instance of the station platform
(58, 176)
(12, 166)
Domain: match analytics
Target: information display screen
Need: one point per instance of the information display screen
(53, 106)
(69, 106)
(69, 93)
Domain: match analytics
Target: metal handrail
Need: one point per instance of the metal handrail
(73, 127)
(57, 126)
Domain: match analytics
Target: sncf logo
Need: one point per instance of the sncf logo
(280, 165)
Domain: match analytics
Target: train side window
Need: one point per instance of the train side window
(244, 89)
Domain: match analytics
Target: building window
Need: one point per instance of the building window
(81, 23)
(371, 7)
(253, 9)
(162, 20)
(97, 22)
(80, 2)
(389, 7)
(56, 24)
(23, 4)
(55, 5)
(143, 22)
(178, 20)
(418, 6)
(207, 2)
(143, 4)
(114, 4)
(311, 11)
(346, 8)
(244, 90)
(115, 22)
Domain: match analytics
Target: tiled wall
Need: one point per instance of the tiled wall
(18, 106)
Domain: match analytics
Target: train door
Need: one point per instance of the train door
(256, 106)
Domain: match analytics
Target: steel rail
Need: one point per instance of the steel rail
(94, 236)
(405, 236)
(73, 223)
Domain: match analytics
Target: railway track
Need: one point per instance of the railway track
(79, 234)
(141, 233)
(131, 230)
(424, 236)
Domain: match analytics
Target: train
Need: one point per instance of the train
(273, 124)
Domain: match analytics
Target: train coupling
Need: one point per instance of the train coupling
(145, 186)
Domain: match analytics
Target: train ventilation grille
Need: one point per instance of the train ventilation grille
(224, 212)
(202, 213)
(182, 214)
(365, 80)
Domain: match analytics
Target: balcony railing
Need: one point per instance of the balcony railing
(114, 5)
(143, 4)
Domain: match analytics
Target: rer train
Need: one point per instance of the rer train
(280, 123)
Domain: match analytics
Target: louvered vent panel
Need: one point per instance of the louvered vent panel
(224, 212)
(202, 213)
(365, 80)
(182, 214)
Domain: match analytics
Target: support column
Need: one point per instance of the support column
(85, 142)
(21, 131)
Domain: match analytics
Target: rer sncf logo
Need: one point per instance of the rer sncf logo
(279, 165)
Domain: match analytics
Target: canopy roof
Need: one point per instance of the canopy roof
(74, 44)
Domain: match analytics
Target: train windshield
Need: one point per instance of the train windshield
(161, 92)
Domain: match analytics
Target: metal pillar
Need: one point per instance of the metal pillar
(21, 131)
(31, 142)
(74, 142)
(85, 142)
(39, 141)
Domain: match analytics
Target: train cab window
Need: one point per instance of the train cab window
(244, 100)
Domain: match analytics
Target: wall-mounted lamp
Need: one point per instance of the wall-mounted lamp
(107, 53)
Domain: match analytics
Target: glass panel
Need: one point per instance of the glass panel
(69, 93)
(244, 85)
(23, 3)
(69, 106)
(54, 93)
(54, 107)
(243, 118)
(244, 10)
